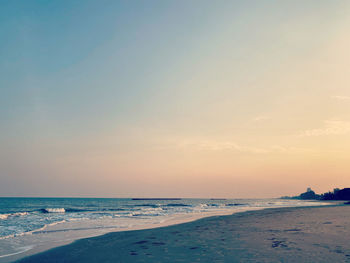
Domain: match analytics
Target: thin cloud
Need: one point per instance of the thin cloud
(331, 127)
(220, 146)
(261, 118)
(291, 149)
(235, 147)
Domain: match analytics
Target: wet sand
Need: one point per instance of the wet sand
(303, 234)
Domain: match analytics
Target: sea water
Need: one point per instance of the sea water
(27, 223)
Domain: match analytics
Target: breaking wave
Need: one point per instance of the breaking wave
(52, 210)
(6, 216)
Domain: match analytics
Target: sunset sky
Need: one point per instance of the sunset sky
(174, 98)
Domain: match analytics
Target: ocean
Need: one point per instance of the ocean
(27, 223)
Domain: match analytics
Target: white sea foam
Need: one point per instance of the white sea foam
(21, 250)
(6, 216)
(36, 231)
(55, 210)
(15, 235)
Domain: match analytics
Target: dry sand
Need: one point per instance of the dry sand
(316, 234)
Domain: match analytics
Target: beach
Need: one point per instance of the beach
(301, 234)
(174, 131)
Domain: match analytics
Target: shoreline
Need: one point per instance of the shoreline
(159, 228)
(178, 219)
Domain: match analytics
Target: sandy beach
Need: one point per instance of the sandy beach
(307, 234)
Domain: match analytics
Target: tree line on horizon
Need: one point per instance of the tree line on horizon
(336, 194)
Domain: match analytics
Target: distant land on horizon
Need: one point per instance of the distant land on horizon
(337, 194)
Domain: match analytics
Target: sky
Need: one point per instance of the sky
(202, 99)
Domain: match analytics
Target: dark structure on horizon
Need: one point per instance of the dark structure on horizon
(309, 195)
(337, 194)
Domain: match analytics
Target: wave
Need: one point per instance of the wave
(5, 216)
(145, 214)
(177, 205)
(154, 206)
(52, 210)
(58, 210)
(113, 209)
(77, 210)
(206, 206)
(34, 231)
(146, 205)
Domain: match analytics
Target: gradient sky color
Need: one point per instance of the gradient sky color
(174, 98)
